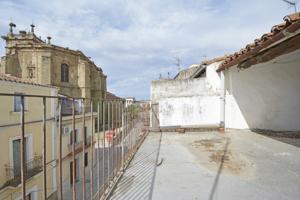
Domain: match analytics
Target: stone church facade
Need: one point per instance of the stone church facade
(29, 57)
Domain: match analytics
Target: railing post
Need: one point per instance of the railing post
(103, 149)
(84, 133)
(126, 131)
(113, 138)
(108, 153)
(92, 150)
(116, 140)
(130, 132)
(73, 151)
(122, 137)
(98, 145)
(22, 149)
(44, 150)
(60, 148)
(117, 136)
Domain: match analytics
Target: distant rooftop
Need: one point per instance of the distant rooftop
(9, 78)
(111, 96)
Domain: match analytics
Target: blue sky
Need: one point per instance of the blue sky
(134, 41)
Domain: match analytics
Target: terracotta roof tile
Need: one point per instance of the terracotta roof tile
(292, 17)
(111, 96)
(218, 59)
(291, 24)
(9, 78)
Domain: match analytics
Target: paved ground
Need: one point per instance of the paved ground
(208, 165)
(137, 181)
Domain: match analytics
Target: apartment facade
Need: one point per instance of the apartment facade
(10, 161)
(10, 142)
(82, 139)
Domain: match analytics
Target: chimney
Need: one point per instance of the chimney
(49, 38)
(22, 33)
(32, 28)
(12, 25)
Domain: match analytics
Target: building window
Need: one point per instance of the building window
(29, 196)
(75, 136)
(96, 124)
(64, 73)
(85, 135)
(86, 159)
(31, 72)
(17, 156)
(18, 103)
(76, 171)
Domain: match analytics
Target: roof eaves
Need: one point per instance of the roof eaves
(278, 32)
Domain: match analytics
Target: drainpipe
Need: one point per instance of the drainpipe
(222, 103)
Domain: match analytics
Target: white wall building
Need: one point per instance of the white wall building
(191, 100)
(129, 101)
(260, 88)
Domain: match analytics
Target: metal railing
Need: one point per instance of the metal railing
(13, 174)
(121, 130)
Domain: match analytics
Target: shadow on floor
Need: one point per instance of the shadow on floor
(217, 178)
(288, 137)
(138, 180)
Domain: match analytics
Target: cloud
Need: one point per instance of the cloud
(135, 41)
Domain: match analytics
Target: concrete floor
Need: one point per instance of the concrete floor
(209, 165)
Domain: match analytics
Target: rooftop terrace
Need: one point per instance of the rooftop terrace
(209, 165)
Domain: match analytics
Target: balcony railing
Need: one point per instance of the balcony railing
(79, 144)
(13, 174)
(123, 133)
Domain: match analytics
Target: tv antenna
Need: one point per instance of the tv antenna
(291, 3)
(178, 62)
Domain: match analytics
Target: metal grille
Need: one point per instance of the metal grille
(100, 158)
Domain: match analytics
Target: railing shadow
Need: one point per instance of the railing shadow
(138, 180)
(221, 166)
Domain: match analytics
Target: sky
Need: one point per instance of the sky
(136, 41)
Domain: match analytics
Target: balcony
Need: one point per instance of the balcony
(79, 144)
(13, 175)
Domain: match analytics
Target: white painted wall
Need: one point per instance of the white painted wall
(190, 111)
(233, 115)
(265, 96)
(190, 102)
(213, 79)
(177, 88)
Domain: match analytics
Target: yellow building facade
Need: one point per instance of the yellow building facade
(10, 134)
(10, 131)
(82, 137)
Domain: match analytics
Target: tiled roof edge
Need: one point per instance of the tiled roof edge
(291, 24)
